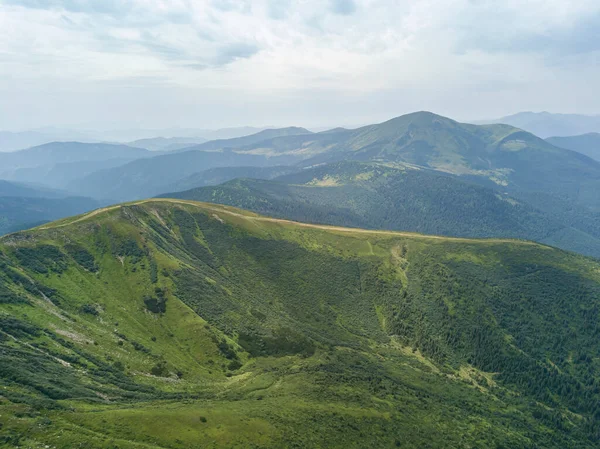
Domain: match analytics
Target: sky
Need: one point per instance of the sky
(223, 63)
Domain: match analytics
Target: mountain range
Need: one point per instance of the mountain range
(19, 140)
(143, 178)
(174, 324)
(494, 180)
(505, 156)
(56, 163)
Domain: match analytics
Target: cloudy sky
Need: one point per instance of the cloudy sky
(217, 63)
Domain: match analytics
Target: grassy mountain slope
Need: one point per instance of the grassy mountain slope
(398, 198)
(588, 144)
(170, 324)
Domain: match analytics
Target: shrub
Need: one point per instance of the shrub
(234, 365)
(140, 347)
(7, 296)
(160, 369)
(82, 256)
(158, 303)
(42, 258)
(90, 309)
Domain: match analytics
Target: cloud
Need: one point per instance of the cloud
(278, 9)
(473, 57)
(234, 52)
(343, 7)
(553, 29)
(79, 6)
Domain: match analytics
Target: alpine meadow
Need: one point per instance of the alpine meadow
(168, 323)
(279, 224)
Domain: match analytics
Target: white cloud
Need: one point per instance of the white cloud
(461, 57)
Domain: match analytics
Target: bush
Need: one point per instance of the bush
(158, 303)
(90, 309)
(7, 296)
(42, 258)
(82, 256)
(119, 365)
(140, 347)
(234, 365)
(160, 369)
(18, 328)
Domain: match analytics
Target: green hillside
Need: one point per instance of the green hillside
(588, 144)
(513, 159)
(172, 324)
(400, 197)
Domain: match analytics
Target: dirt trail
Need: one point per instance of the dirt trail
(83, 217)
(223, 210)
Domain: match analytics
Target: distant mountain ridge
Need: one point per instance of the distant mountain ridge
(9, 188)
(240, 142)
(57, 163)
(14, 141)
(23, 206)
(166, 143)
(546, 124)
(588, 144)
(18, 213)
(149, 177)
(64, 152)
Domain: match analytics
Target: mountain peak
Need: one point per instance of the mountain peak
(419, 118)
(288, 131)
